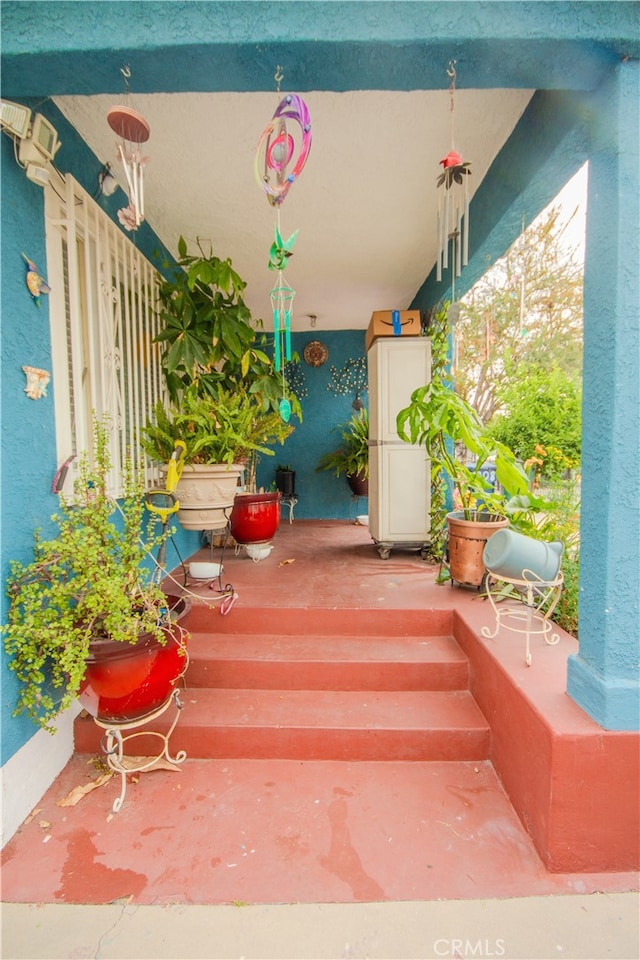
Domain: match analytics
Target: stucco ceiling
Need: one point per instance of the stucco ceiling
(365, 204)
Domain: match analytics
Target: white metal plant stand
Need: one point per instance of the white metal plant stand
(113, 743)
(524, 606)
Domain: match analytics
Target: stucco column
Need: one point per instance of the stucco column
(603, 676)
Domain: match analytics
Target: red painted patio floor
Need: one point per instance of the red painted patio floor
(281, 831)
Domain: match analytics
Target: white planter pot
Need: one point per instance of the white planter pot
(206, 493)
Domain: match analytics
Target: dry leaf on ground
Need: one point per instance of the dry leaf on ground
(76, 795)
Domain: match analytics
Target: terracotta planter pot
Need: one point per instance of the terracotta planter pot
(467, 540)
(358, 484)
(125, 682)
(255, 517)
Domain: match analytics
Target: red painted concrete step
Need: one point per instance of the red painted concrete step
(319, 725)
(326, 662)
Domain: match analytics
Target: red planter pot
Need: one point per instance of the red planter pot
(255, 517)
(125, 682)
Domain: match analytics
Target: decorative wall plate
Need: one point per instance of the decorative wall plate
(315, 353)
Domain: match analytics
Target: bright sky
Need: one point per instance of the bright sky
(573, 197)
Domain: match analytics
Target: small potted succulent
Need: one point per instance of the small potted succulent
(351, 458)
(87, 619)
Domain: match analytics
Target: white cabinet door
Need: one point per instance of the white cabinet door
(399, 493)
(396, 368)
(399, 480)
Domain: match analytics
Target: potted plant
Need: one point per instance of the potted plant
(351, 458)
(443, 422)
(209, 339)
(286, 480)
(222, 436)
(255, 517)
(86, 621)
(225, 397)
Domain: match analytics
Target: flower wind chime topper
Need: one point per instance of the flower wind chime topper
(281, 154)
(133, 130)
(453, 201)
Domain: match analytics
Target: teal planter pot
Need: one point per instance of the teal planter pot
(512, 555)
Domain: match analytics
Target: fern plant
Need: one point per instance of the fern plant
(351, 458)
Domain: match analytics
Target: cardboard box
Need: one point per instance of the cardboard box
(382, 325)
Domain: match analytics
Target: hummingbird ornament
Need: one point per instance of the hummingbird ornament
(37, 285)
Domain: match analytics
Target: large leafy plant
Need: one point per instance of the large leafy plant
(351, 458)
(87, 582)
(442, 421)
(209, 340)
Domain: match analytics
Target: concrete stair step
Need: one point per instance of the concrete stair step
(317, 725)
(326, 662)
(316, 621)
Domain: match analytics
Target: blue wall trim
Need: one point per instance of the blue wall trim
(194, 46)
(609, 608)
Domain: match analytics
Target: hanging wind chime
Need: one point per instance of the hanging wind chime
(280, 158)
(133, 130)
(453, 200)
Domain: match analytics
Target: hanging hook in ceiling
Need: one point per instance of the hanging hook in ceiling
(451, 72)
(126, 73)
(278, 77)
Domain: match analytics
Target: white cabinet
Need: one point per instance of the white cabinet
(399, 472)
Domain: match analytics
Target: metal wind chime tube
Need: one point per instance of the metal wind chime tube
(453, 201)
(281, 303)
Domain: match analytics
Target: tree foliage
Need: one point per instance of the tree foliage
(543, 410)
(526, 312)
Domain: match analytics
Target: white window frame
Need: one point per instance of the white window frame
(103, 319)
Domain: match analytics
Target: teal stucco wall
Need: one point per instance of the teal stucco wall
(28, 442)
(321, 494)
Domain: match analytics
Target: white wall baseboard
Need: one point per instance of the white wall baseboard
(31, 771)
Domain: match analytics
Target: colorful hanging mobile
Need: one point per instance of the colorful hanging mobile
(453, 201)
(281, 154)
(35, 283)
(277, 146)
(133, 130)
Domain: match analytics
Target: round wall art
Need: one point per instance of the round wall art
(315, 353)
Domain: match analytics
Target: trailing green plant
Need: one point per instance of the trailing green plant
(566, 611)
(87, 582)
(228, 428)
(438, 330)
(351, 458)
